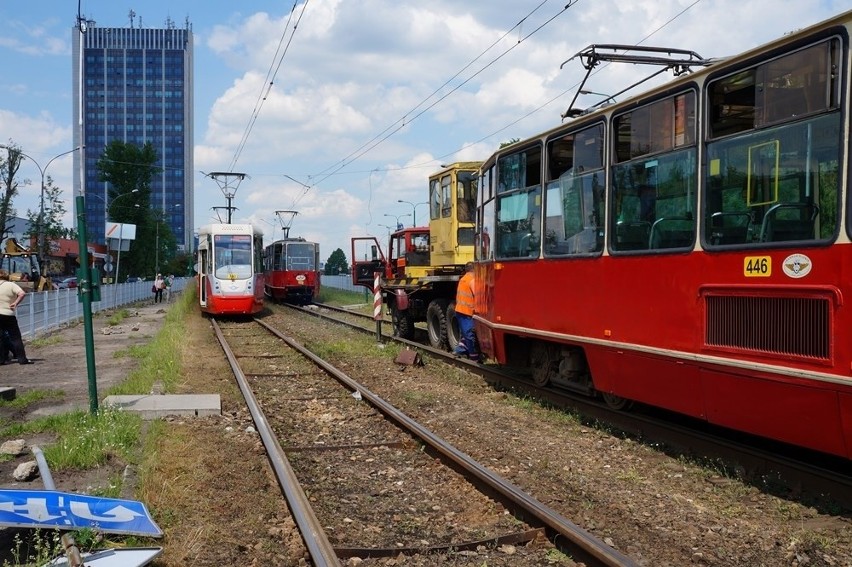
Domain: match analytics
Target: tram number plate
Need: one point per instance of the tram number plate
(757, 266)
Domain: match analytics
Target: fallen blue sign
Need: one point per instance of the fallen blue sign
(65, 510)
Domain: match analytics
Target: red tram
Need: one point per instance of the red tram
(229, 268)
(688, 248)
(291, 270)
(291, 266)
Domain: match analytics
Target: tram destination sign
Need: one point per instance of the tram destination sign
(65, 510)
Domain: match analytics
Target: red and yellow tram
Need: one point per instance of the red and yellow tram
(688, 248)
(230, 269)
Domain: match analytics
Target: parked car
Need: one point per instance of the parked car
(66, 283)
(134, 279)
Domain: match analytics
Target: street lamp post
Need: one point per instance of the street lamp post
(413, 209)
(40, 236)
(399, 224)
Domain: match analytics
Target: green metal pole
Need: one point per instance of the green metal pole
(85, 293)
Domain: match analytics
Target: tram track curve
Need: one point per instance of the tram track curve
(567, 536)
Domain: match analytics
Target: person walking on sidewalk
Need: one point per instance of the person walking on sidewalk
(167, 290)
(11, 295)
(159, 286)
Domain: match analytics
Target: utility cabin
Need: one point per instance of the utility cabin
(407, 256)
(452, 210)
(421, 267)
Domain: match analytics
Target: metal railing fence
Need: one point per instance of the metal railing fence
(44, 311)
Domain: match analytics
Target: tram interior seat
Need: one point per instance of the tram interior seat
(632, 235)
(789, 221)
(672, 232)
(729, 227)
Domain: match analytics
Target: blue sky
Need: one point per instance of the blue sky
(349, 115)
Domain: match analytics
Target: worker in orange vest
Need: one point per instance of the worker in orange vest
(465, 294)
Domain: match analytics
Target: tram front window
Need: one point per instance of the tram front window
(300, 256)
(232, 256)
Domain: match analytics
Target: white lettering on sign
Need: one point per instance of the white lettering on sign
(117, 514)
(35, 509)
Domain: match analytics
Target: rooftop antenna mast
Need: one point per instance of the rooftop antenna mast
(286, 218)
(228, 182)
(132, 15)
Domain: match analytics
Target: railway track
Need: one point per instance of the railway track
(820, 479)
(363, 479)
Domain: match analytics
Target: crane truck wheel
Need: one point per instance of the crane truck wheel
(453, 332)
(403, 325)
(436, 323)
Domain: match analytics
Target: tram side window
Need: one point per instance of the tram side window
(518, 229)
(654, 180)
(574, 201)
(775, 185)
(484, 249)
(793, 85)
(258, 254)
(776, 179)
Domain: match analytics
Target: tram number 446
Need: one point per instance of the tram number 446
(757, 266)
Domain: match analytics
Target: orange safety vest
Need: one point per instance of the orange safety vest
(464, 294)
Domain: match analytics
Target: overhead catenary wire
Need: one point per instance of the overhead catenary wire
(528, 114)
(402, 121)
(269, 81)
(405, 120)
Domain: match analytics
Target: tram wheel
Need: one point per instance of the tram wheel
(541, 361)
(616, 402)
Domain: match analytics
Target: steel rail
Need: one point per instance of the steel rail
(564, 534)
(794, 469)
(320, 548)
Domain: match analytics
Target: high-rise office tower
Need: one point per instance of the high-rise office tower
(135, 85)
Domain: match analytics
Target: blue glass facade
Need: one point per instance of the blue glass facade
(135, 85)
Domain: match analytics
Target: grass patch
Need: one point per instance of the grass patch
(33, 396)
(46, 341)
(159, 359)
(43, 546)
(135, 351)
(118, 317)
(84, 440)
(339, 297)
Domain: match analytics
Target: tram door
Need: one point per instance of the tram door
(202, 276)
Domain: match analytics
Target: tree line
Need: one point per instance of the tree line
(128, 170)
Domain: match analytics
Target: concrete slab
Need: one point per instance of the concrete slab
(8, 393)
(156, 406)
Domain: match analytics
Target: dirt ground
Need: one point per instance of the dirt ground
(60, 364)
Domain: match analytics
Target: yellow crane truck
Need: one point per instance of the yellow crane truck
(421, 266)
(23, 266)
